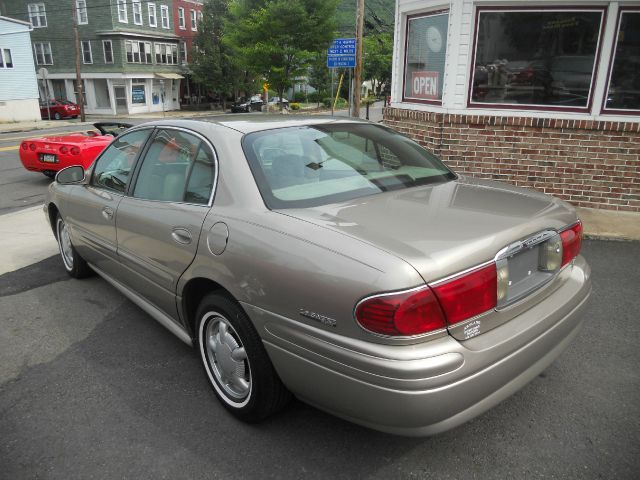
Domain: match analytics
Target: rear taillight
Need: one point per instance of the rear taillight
(409, 313)
(571, 242)
(25, 146)
(75, 151)
(32, 147)
(468, 295)
(64, 149)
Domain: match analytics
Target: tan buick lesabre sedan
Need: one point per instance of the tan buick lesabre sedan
(335, 260)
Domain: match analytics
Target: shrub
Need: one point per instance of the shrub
(294, 106)
(299, 97)
(317, 96)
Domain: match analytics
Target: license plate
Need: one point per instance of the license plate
(48, 158)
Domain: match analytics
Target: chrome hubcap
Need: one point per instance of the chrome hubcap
(227, 358)
(64, 240)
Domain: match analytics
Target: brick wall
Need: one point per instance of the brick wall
(592, 164)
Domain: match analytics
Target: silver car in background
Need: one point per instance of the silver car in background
(335, 260)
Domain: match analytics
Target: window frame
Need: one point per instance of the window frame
(121, 6)
(160, 49)
(37, 14)
(414, 16)
(194, 20)
(104, 51)
(79, 11)
(136, 10)
(82, 52)
(152, 6)
(3, 63)
(143, 153)
(614, 48)
(136, 161)
(164, 15)
(182, 52)
(44, 54)
(181, 19)
(532, 107)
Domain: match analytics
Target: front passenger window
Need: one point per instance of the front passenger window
(113, 168)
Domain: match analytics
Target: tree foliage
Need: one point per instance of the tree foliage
(278, 39)
(378, 54)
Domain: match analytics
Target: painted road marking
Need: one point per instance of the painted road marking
(6, 149)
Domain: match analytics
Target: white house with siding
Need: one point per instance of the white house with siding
(18, 83)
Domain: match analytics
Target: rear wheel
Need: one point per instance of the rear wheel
(236, 362)
(49, 173)
(57, 116)
(73, 263)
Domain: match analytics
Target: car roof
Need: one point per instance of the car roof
(248, 123)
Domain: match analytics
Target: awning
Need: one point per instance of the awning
(169, 76)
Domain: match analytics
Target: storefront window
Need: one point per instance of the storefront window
(138, 94)
(540, 58)
(425, 57)
(624, 84)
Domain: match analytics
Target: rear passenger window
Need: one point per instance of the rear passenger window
(178, 167)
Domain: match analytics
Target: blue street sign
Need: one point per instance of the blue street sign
(341, 61)
(342, 53)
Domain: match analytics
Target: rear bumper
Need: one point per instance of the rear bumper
(430, 387)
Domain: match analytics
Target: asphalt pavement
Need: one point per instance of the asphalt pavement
(92, 387)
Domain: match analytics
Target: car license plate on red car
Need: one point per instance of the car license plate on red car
(48, 158)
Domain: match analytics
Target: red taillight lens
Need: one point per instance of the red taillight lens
(32, 147)
(571, 242)
(469, 295)
(401, 314)
(75, 151)
(25, 146)
(64, 149)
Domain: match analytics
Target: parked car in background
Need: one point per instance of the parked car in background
(274, 101)
(332, 259)
(246, 105)
(51, 154)
(59, 109)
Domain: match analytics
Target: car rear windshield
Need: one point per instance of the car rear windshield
(314, 165)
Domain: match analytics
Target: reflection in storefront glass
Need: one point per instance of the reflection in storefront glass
(535, 57)
(624, 87)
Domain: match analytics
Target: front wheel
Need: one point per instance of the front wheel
(236, 362)
(73, 263)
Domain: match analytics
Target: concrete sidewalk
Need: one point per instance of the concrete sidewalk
(26, 237)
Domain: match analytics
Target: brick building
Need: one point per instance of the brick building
(187, 15)
(129, 52)
(541, 94)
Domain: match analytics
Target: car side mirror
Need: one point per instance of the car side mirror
(70, 175)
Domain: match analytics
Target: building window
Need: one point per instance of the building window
(194, 21)
(425, 57)
(166, 53)
(153, 19)
(37, 15)
(183, 52)
(87, 57)
(43, 53)
(138, 52)
(200, 14)
(542, 59)
(138, 95)
(181, 23)
(122, 11)
(136, 6)
(623, 94)
(81, 12)
(6, 61)
(164, 16)
(107, 47)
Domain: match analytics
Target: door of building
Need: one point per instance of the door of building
(120, 94)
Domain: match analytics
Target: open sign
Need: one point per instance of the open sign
(425, 85)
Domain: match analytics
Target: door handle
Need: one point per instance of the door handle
(107, 212)
(181, 235)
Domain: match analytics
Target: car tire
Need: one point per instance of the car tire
(49, 173)
(236, 362)
(74, 264)
(57, 116)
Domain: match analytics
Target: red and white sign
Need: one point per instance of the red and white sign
(425, 85)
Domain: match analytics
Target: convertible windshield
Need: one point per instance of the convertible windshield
(321, 164)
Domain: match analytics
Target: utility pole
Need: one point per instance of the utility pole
(358, 70)
(80, 95)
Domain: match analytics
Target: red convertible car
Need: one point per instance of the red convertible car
(50, 154)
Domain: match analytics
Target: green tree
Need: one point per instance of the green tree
(278, 38)
(213, 61)
(319, 75)
(378, 54)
